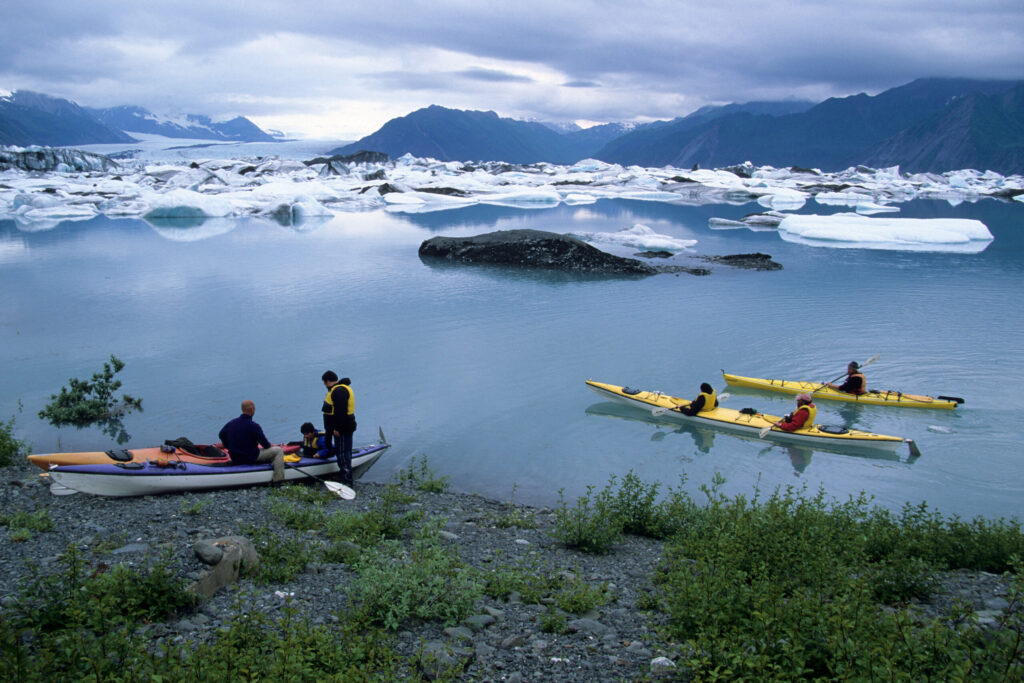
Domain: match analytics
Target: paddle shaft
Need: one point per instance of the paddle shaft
(863, 365)
(331, 486)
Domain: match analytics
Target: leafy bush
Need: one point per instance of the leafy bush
(10, 447)
(299, 517)
(39, 520)
(83, 403)
(593, 525)
(428, 582)
(94, 597)
(789, 588)
(281, 558)
(422, 477)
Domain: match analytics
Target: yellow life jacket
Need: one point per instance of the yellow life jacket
(328, 407)
(710, 400)
(812, 413)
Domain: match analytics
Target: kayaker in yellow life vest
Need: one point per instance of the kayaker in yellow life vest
(856, 382)
(802, 417)
(705, 401)
(339, 411)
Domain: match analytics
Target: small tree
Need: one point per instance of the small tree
(84, 403)
(10, 447)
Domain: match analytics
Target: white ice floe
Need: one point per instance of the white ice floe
(182, 180)
(851, 230)
(636, 237)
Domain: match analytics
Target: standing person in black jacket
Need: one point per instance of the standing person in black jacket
(339, 421)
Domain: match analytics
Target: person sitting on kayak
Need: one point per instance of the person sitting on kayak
(707, 400)
(314, 444)
(802, 417)
(247, 444)
(855, 382)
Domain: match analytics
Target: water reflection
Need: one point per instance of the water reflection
(704, 436)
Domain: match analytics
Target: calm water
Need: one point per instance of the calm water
(482, 370)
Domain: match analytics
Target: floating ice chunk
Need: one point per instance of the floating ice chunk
(181, 203)
(637, 237)
(850, 230)
(845, 198)
(871, 208)
(653, 196)
(783, 198)
(590, 166)
(539, 197)
(579, 198)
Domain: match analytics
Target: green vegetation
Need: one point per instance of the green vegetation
(794, 587)
(83, 403)
(420, 476)
(20, 524)
(10, 447)
(786, 587)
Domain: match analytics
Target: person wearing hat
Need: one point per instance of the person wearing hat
(855, 382)
(707, 400)
(802, 417)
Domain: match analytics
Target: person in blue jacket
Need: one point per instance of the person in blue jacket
(314, 443)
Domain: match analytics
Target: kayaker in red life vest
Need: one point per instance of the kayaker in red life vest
(802, 417)
(855, 382)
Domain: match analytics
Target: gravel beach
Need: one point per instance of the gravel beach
(501, 641)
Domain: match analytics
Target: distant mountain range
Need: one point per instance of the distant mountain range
(926, 125)
(30, 118)
(457, 135)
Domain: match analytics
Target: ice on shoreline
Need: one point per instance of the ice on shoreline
(172, 180)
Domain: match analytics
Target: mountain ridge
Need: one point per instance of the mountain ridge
(30, 118)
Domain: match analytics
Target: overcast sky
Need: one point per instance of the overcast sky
(333, 69)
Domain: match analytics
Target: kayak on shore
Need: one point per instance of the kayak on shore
(751, 423)
(150, 477)
(199, 454)
(875, 397)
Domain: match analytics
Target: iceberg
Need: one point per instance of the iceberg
(170, 180)
(636, 237)
(854, 231)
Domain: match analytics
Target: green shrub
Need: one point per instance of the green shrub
(553, 621)
(793, 587)
(592, 525)
(10, 447)
(281, 558)
(422, 477)
(429, 582)
(94, 597)
(39, 520)
(193, 507)
(87, 402)
(299, 517)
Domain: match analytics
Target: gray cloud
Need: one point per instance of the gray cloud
(356, 65)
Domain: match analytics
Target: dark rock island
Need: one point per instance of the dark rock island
(553, 251)
(532, 249)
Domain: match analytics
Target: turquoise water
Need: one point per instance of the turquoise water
(481, 370)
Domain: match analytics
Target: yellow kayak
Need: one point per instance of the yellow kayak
(751, 423)
(873, 397)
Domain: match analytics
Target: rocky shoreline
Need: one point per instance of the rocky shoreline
(502, 640)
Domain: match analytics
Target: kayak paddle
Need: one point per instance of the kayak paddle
(863, 365)
(341, 490)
